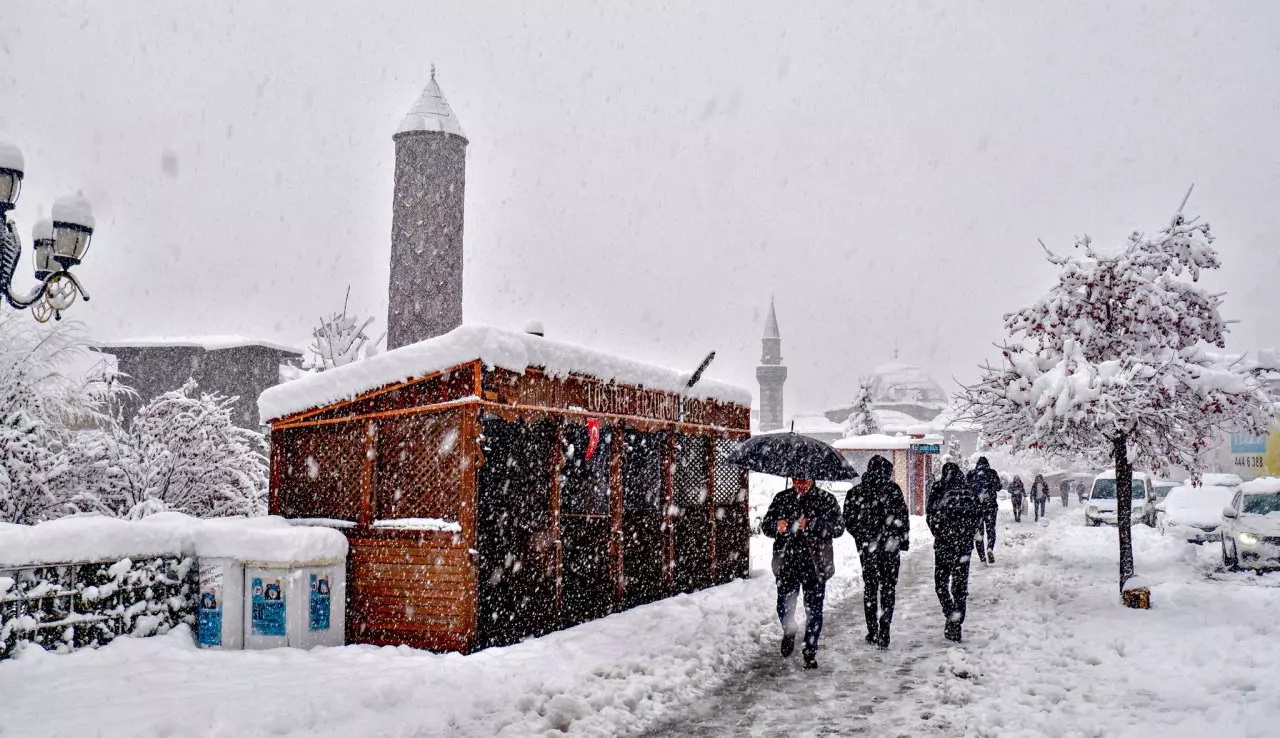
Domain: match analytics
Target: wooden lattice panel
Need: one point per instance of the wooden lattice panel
(321, 470)
(691, 472)
(420, 466)
(730, 480)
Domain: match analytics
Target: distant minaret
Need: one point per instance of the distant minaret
(425, 295)
(771, 374)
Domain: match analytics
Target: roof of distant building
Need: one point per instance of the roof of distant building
(881, 442)
(208, 343)
(431, 112)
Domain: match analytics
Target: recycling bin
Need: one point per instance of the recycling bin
(292, 604)
(219, 616)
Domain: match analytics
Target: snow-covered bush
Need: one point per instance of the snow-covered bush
(862, 418)
(340, 339)
(1113, 361)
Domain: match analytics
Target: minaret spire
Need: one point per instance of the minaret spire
(771, 373)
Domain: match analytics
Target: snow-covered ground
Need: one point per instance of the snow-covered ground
(1048, 651)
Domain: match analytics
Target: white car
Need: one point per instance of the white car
(1193, 513)
(1221, 480)
(1251, 526)
(1100, 508)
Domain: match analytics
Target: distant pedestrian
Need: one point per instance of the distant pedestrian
(802, 520)
(1081, 491)
(953, 514)
(875, 514)
(986, 485)
(1017, 496)
(1064, 490)
(1039, 495)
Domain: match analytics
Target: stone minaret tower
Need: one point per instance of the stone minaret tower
(771, 374)
(425, 296)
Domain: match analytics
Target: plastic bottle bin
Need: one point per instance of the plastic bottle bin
(293, 605)
(219, 616)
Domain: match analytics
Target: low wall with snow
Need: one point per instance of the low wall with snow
(84, 581)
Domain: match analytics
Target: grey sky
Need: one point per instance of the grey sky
(641, 180)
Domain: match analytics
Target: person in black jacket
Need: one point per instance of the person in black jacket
(802, 521)
(953, 513)
(1017, 497)
(986, 484)
(1039, 496)
(875, 514)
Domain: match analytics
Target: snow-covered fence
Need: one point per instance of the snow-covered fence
(62, 607)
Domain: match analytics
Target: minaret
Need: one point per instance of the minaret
(425, 294)
(771, 374)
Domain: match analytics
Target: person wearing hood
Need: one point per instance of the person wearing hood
(1064, 491)
(802, 521)
(875, 514)
(1017, 497)
(1039, 496)
(986, 483)
(952, 513)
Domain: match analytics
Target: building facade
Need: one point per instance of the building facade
(771, 374)
(425, 290)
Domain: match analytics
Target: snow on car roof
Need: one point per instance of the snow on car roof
(496, 347)
(1261, 486)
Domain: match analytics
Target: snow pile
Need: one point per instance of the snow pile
(90, 538)
(73, 208)
(447, 526)
(496, 348)
(1196, 506)
(882, 442)
(1261, 486)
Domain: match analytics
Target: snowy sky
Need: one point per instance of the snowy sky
(641, 180)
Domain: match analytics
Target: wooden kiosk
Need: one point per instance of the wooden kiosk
(497, 485)
(912, 457)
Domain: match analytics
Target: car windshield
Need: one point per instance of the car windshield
(1105, 489)
(1262, 504)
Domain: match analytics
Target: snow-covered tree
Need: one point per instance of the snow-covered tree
(39, 402)
(341, 339)
(1114, 360)
(184, 453)
(862, 418)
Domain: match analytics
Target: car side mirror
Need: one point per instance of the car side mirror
(1160, 507)
(1229, 512)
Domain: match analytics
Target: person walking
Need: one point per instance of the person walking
(1017, 494)
(986, 485)
(1064, 491)
(1039, 496)
(875, 514)
(802, 521)
(952, 513)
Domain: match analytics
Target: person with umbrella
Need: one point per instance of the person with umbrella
(875, 514)
(802, 521)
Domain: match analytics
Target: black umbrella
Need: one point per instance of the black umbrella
(792, 455)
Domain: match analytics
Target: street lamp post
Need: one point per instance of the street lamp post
(58, 245)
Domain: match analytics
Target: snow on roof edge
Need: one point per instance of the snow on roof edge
(882, 442)
(496, 347)
(208, 343)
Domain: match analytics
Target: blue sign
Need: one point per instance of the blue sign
(926, 448)
(268, 607)
(1244, 443)
(318, 618)
(209, 627)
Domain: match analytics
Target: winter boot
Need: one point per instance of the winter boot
(810, 658)
(882, 640)
(991, 556)
(788, 644)
(872, 637)
(952, 631)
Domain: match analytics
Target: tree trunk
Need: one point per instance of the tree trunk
(1124, 505)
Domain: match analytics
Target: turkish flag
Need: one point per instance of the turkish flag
(593, 436)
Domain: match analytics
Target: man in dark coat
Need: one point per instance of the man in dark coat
(1017, 495)
(986, 484)
(802, 521)
(875, 514)
(953, 514)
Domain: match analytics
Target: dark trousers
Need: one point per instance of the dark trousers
(951, 577)
(879, 588)
(1040, 503)
(986, 531)
(815, 591)
(1064, 500)
(1017, 508)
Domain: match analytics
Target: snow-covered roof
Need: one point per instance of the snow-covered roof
(808, 424)
(771, 323)
(11, 157)
(883, 442)
(431, 112)
(1261, 486)
(208, 343)
(897, 382)
(96, 538)
(495, 347)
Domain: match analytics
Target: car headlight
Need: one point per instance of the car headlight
(1247, 539)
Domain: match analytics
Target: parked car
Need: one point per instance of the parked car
(1193, 513)
(1251, 526)
(1160, 489)
(1221, 480)
(1101, 505)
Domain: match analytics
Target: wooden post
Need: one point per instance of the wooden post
(711, 508)
(466, 500)
(557, 463)
(668, 523)
(277, 461)
(365, 517)
(616, 549)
